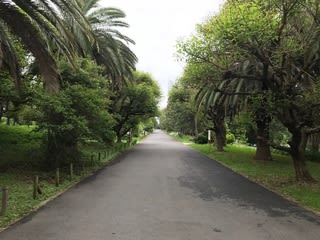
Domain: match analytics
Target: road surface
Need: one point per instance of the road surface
(162, 190)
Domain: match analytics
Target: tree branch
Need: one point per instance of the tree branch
(203, 59)
(275, 145)
(313, 130)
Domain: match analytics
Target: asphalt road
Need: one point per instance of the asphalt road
(162, 190)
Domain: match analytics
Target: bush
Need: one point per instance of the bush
(230, 138)
(313, 156)
(202, 138)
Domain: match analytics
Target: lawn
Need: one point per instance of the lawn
(277, 175)
(21, 154)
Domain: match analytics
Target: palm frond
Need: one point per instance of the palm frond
(22, 26)
(8, 56)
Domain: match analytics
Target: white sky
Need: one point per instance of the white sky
(156, 26)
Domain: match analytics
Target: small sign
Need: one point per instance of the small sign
(209, 135)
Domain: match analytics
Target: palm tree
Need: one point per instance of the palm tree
(111, 48)
(218, 105)
(8, 56)
(41, 29)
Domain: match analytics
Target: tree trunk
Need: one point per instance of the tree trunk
(300, 167)
(53, 150)
(263, 152)
(297, 152)
(196, 131)
(315, 142)
(216, 115)
(1, 113)
(220, 134)
(118, 137)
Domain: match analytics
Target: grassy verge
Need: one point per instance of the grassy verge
(20, 151)
(277, 175)
(20, 185)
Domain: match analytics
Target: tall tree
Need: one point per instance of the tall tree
(135, 103)
(111, 48)
(39, 26)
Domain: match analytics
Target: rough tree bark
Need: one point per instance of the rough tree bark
(297, 151)
(220, 134)
(315, 142)
(263, 152)
(217, 115)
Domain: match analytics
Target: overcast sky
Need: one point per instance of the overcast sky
(156, 26)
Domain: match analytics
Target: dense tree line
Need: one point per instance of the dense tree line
(66, 66)
(260, 59)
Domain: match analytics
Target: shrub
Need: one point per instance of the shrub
(313, 156)
(230, 138)
(202, 138)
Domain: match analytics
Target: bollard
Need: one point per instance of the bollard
(71, 171)
(57, 177)
(4, 202)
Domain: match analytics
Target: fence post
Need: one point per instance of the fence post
(71, 171)
(57, 177)
(35, 186)
(4, 202)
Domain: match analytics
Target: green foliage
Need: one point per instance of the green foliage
(7, 88)
(19, 180)
(277, 175)
(136, 103)
(240, 126)
(278, 133)
(264, 55)
(230, 138)
(241, 22)
(313, 156)
(149, 125)
(202, 138)
(181, 114)
(77, 112)
(20, 147)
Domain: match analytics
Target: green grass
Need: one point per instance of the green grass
(277, 175)
(20, 185)
(20, 155)
(20, 200)
(19, 145)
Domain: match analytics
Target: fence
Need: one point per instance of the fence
(80, 168)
